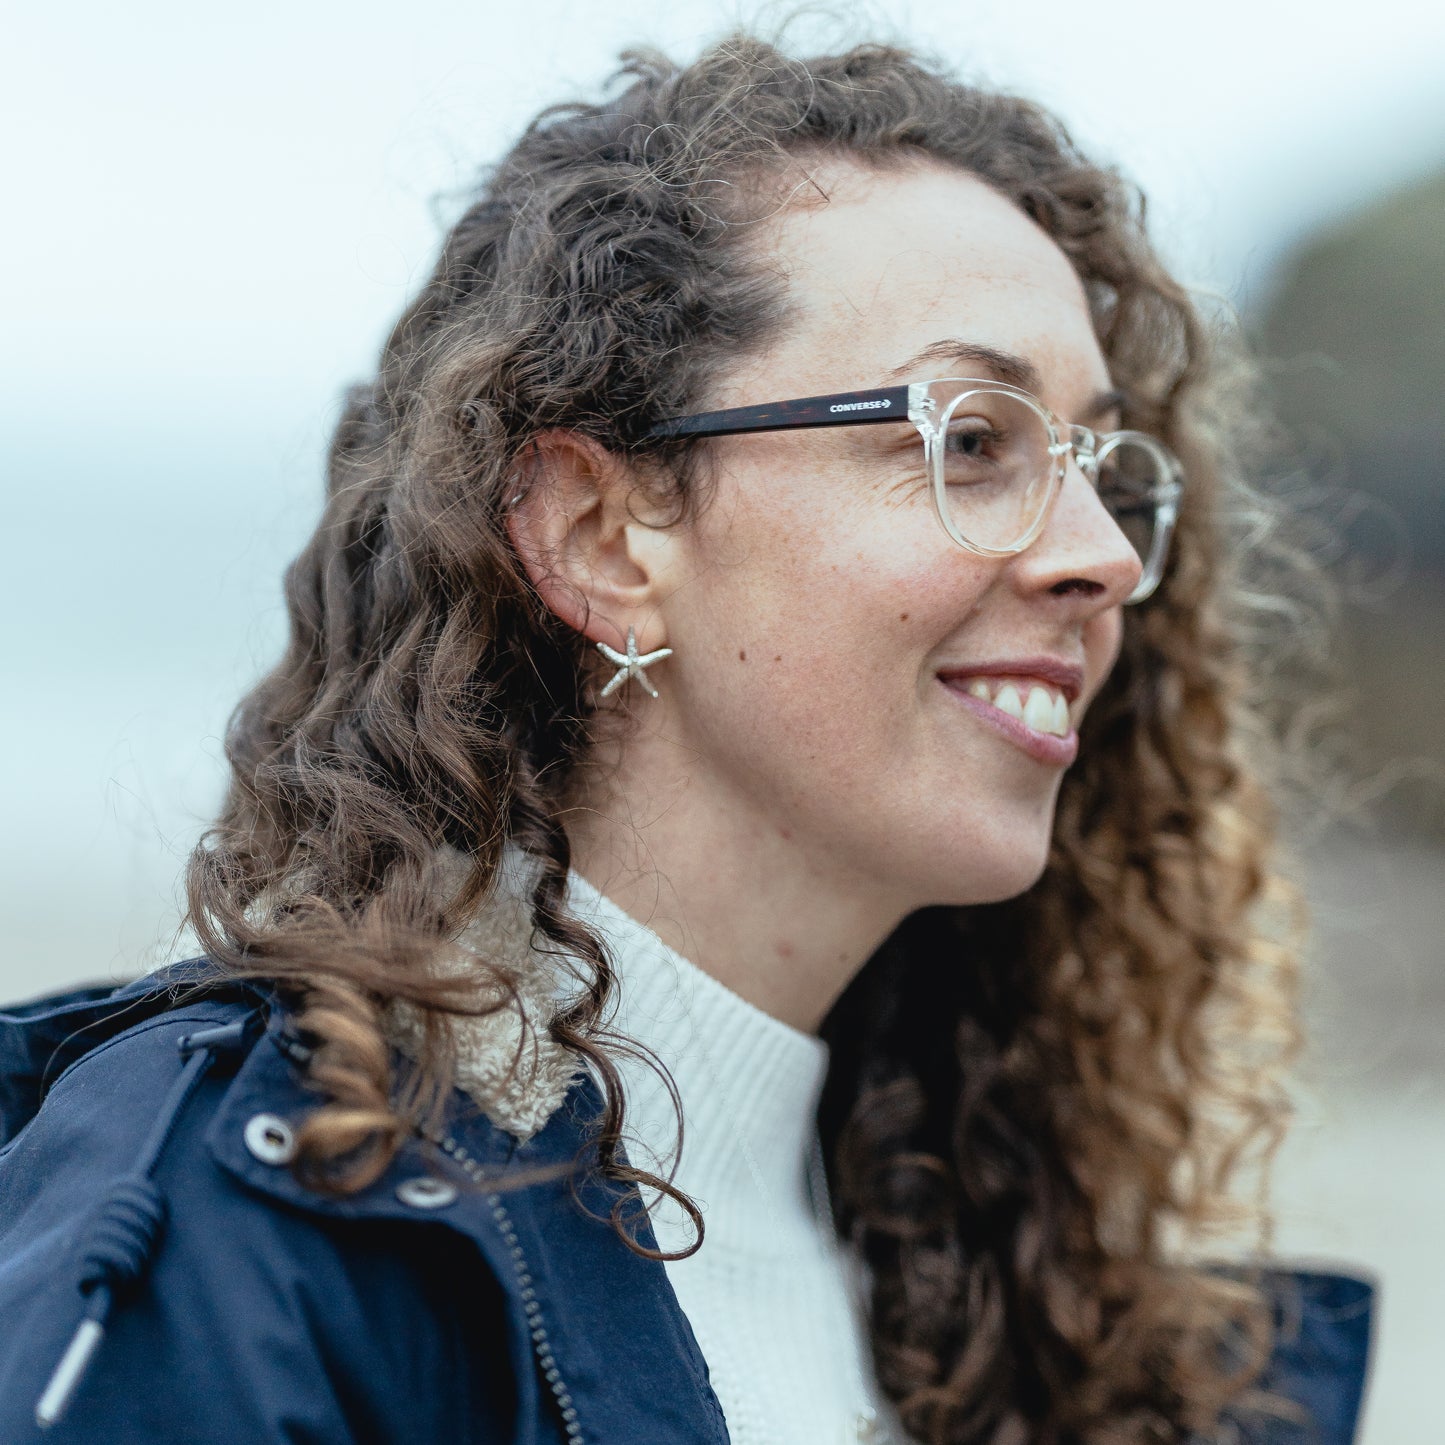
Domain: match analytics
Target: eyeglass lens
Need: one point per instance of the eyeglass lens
(1130, 478)
(997, 470)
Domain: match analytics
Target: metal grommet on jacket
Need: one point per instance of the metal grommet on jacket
(270, 1138)
(426, 1191)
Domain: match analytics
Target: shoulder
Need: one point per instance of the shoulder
(146, 1134)
(1323, 1322)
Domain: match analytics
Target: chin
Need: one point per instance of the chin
(992, 879)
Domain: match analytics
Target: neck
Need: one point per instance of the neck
(725, 886)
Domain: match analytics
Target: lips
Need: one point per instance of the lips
(1032, 691)
(1057, 672)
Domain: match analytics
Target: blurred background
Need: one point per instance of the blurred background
(214, 220)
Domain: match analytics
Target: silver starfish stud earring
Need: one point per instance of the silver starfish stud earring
(630, 664)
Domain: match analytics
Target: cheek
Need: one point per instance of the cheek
(1103, 641)
(802, 619)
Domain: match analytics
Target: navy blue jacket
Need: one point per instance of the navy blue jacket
(164, 1278)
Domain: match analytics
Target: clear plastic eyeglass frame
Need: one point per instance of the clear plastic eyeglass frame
(930, 406)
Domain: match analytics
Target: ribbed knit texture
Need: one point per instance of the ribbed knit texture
(771, 1295)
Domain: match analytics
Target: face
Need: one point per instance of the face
(821, 618)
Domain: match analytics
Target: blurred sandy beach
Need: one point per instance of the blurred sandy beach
(1361, 1178)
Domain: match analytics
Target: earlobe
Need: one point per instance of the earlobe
(572, 528)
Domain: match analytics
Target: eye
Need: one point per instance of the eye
(974, 436)
(995, 442)
(975, 449)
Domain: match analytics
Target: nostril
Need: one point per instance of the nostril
(1077, 584)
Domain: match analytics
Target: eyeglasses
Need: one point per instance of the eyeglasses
(996, 456)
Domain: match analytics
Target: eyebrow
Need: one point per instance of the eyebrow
(1003, 366)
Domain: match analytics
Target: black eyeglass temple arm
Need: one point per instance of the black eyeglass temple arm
(844, 408)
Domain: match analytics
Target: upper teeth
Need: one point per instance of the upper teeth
(1044, 710)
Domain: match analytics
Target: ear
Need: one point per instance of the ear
(594, 563)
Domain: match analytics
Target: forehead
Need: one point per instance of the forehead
(879, 264)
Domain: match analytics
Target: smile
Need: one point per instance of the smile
(981, 696)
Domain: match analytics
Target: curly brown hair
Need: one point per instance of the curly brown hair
(1030, 1150)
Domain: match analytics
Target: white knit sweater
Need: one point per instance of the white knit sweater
(773, 1298)
(771, 1294)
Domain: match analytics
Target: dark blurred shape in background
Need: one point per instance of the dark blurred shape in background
(1353, 339)
(1354, 336)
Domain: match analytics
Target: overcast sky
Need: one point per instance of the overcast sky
(185, 181)
(213, 213)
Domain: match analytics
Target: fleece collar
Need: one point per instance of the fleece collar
(507, 1061)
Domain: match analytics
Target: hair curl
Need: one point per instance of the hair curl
(1033, 1107)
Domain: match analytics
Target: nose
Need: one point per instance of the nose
(1081, 542)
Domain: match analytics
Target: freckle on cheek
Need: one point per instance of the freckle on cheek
(778, 658)
(903, 617)
(742, 656)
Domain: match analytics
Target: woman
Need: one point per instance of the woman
(741, 914)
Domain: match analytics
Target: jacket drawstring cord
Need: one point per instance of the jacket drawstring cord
(122, 1238)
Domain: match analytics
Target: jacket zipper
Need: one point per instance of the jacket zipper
(541, 1343)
